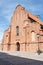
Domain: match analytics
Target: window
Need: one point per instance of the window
(33, 36)
(17, 30)
(6, 35)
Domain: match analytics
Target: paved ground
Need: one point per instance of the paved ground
(29, 55)
(3, 62)
(6, 59)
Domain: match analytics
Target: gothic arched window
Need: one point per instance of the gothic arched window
(17, 30)
(33, 36)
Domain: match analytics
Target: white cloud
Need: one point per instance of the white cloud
(8, 7)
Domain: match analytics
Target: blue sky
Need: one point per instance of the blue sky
(7, 8)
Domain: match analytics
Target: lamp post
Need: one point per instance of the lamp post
(38, 43)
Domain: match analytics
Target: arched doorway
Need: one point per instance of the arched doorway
(18, 46)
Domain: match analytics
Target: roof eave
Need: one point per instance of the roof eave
(35, 18)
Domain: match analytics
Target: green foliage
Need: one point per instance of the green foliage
(39, 51)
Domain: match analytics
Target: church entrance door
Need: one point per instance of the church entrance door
(18, 46)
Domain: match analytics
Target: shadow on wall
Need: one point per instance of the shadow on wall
(6, 59)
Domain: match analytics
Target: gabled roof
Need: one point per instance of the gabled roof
(31, 15)
(34, 18)
(19, 7)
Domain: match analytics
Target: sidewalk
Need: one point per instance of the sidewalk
(29, 55)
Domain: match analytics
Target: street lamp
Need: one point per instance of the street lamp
(38, 43)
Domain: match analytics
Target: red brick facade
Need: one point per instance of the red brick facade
(25, 32)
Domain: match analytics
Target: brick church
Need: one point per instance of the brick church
(25, 32)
